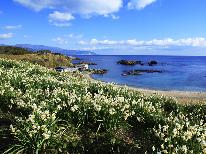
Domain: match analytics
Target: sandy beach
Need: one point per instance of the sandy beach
(186, 97)
(183, 97)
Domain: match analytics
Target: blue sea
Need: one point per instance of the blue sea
(183, 73)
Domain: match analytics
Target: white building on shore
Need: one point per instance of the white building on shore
(66, 69)
(80, 67)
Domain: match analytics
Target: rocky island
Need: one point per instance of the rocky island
(129, 62)
(138, 62)
(152, 62)
(139, 72)
(99, 71)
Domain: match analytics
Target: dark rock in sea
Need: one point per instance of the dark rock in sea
(139, 72)
(129, 62)
(98, 71)
(153, 62)
(56, 53)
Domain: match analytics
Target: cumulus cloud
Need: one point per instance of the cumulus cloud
(195, 42)
(99, 7)
(6, 36)
(36, 5)
(60, 16)
(139, 4)
(60, 19)
(12, 27)
(84, 8)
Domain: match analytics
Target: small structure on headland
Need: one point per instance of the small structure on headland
(81, 67)
(66, 69)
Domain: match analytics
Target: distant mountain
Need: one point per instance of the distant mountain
(55, 49)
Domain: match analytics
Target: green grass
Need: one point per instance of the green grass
(53, 112)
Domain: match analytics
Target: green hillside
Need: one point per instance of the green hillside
(43, 111)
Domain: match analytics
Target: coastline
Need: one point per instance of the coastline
(183, 97)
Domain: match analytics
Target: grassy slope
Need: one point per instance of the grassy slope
(47, 60)
(11, 50)
(126, 117)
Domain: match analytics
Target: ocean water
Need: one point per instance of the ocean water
(179, 72)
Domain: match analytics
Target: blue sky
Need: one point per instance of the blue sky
(166, 27)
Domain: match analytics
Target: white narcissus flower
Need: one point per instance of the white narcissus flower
(43, 116)
(34, 107)
(12, 128)
(59, 107)
(46, 135)
(74, 108)
(153, 148)
(31, 118)
(204, 150)
(97, 107)
(111, 111)
(184, 148)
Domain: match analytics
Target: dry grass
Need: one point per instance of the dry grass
(47, 60)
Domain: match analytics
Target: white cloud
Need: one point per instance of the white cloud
(84, 7)
(60, 41)
(60, 19)
(6, 36)
(36, 5)
(12, 27)
(139, 4)
(114, 17)
(60, 16)
(82, 42)
(168, 46)
(195, 42)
